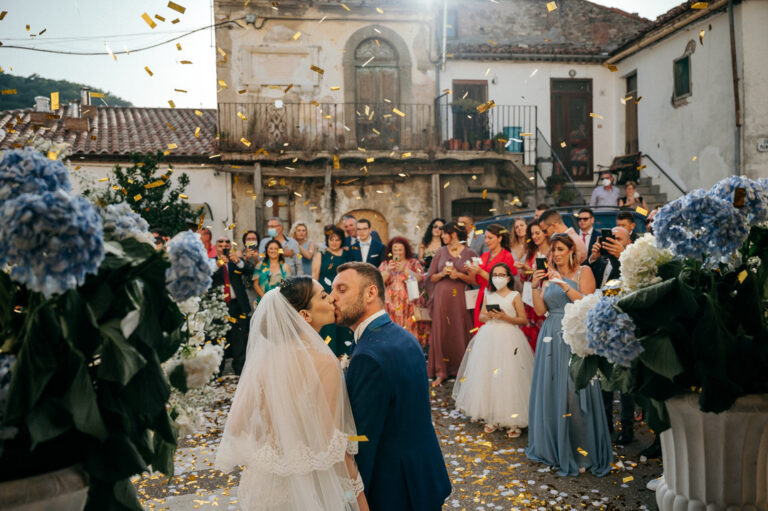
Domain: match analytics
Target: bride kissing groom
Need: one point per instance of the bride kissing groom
(307, 440)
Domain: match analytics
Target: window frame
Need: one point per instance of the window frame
(675, 98)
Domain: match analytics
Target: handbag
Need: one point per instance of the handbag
(470, 296)
(412, 288)
(421, 314)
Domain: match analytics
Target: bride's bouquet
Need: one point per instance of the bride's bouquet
(689, 313)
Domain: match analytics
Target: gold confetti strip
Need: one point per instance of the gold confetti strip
(245, 142)
(566, 415)
(182, 196)
(2, 15)
(526, 134)
(406, 155)
(398, 112)
(486, 106)
(378, 9)
(642, 211)
(97, 94)
(176, 7)
(185, 62)
(170, 102)
(296, 36)
(582, 451)
(695, 5)
(641, 167)
(627, 479)
(485, 193)
(335, 88)
(595, 116)
(612, 68)
(551, 6)
(27, 28)
(446, 185)
(197, 132)
(742, 276)
(149, 21)
(242, 91)
(198, 113)
(172, 146)
(158, 17)
(242, 116)
(137, 197)
(54, 101)
(154, 184)
(287, 88)
(103, 179)
(146, 68)
(357, 438)
(223, 83)
(5, 92)
(345, 7)
(222, 52)
(315, 69)
(563, 144)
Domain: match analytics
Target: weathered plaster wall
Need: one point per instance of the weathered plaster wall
(752, 17)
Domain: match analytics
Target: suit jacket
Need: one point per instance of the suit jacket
(375, 254)
(349, 241)
(401, 463)
(478, 244)
(236, 283)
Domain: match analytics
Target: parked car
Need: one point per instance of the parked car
(605, 218)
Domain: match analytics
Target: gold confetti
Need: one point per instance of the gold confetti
(103, 179)
(175, 21)
(52, 155)
(335, 88)
(594, 115)
(137, 197)
(566, 415)
(406, 155)
(287, 88)
(551, 6)
(146, 68)
(582, 451)
(243, 117)
(378, 9)
(336, 164)
(172, 146)
(155, 184)
(485, 193)
(149, 21)
(642, 211)
(176, 7)
(157, 16)
(97, 94)
(180, 90)
(358, 438)
(182, 196)
(345, 7)
(222, 52)
(627, 479)
(695, 5)
(296, 36)
(496, 371)
(223, 83)
(612, 68)
(693, 159)
(185, 62)
(701, 37)
(313, 68)
(2, 15)
(198, 113)
(742, 276)
(5, 92)
(563, 144)
(486, 106)
(447, 184)
(54, 101)
(474, 330)
(197, 132)
(641, 167)
(526, 134)
(170, 102)
(245, 142)
(398, 112)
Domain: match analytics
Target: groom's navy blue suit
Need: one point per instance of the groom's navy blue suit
(401, 463)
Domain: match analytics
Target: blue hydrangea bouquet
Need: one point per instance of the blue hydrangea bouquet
(689, 312)
(88, 313)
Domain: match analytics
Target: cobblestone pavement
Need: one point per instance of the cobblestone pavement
(489, 472)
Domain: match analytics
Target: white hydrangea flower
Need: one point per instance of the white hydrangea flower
(640, 263)
(190, 306)
(202, 365)
(575, 324)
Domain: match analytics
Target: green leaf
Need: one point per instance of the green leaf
(583, 370)
(147, 393)
(660, 355)
(178, 378)
(47, 420)
(163, 458)
(646, 297)
(115, 459)
(125, 495)
(80, 400)
(119, 360)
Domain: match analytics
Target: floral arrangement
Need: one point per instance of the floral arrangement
(87, 317)
(689, 313)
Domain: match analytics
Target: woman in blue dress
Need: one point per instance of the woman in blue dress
(566, 429)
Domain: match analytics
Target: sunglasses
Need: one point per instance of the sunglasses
(583, 219)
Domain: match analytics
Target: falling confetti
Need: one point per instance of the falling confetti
(149, 21)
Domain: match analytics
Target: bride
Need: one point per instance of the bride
(290, 424)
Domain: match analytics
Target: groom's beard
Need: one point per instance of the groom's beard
(351, 315)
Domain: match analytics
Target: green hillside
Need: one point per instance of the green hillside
(34, 85)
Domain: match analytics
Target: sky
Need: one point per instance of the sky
(86, 25)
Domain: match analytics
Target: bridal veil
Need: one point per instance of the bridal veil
(290, 420)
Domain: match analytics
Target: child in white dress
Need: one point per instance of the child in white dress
(494, 380)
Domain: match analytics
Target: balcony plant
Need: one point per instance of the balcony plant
(685, 333)
(88, 314)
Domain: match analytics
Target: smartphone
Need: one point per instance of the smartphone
(493, 307)
(541, 263)
(225, 251)
(396, 258)
(605, 234)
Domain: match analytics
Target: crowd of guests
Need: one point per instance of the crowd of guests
(485, 305)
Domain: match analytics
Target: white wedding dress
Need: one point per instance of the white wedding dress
(290, 422)
(494, 380)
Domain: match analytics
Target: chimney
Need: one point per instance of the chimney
(74, 108)
(42, 104)
(85, 96)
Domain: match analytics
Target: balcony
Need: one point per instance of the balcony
(444, 130)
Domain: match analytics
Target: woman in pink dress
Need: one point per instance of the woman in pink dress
(451, 321)
(399, 267)
(497, 241)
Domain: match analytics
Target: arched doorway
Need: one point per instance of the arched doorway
(377, 91)
(378, 222)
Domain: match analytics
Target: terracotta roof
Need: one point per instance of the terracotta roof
(109, 130)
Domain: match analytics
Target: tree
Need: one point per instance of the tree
(34, 85)
(150, 193)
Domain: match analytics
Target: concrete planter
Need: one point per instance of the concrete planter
(715, 462)
(62, 490)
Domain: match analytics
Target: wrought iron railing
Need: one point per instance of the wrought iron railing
(551, 174)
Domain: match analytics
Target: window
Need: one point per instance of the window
(682, 77)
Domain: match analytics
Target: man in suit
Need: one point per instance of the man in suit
(367, 248)
(349, 223)
(401, 463)
(474, 241)
(228, 273)
(626, 219)
(586, 220)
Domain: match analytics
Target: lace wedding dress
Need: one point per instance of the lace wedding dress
(290, 423)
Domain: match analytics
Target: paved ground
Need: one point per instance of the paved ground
(489, 472)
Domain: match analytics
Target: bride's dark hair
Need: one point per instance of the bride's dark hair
(298, 291)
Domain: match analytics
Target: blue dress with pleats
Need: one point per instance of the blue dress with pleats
(566, 429)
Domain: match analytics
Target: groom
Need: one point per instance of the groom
(401, 463)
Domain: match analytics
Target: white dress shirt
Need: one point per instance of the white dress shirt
(365, 247)
(362, 326)
(586, 236)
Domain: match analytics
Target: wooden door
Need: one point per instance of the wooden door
(377, 92)
(571, 106)
(631, 143)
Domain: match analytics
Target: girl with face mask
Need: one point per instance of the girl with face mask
(494, 380)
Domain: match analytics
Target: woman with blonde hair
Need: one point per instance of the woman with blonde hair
(307, 248)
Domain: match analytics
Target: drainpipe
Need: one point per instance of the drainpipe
(736, 98)
(445, 30)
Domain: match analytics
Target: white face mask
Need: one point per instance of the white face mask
(606, 182)
(499, 282)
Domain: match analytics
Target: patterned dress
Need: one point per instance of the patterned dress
(399, 308)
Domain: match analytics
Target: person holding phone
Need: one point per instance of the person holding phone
(273, 269)
(604, 260)
(494, 379)
(537, 248)
(400, 267)
(566, 428)
(229, 268)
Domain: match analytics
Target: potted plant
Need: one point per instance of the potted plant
(88, 314)
(684, 331)
(555, 183)
(566, 196)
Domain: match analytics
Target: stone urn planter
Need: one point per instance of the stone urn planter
(715, 462)
(62, 490)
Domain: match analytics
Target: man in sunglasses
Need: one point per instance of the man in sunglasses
(586, 220)
(552, 223)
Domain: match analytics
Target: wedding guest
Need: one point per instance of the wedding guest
(273, 270)
(251, 260)
(324, 266)
(606, 194)
(431, 241)
(349, 222)
(541, 208)
(538, 246)
(307, 247)
(474, 241)
(551, 222)
(289, 246)
(229, 267)
(626, 219)
(587, 232)
(566, 429)
(366, 249)
(604, 260)
(497, 241)
(632, 199)
(400, 267)
(206, 237)
(451, 321)
(494, 380)
(517, 245)
(649, 218)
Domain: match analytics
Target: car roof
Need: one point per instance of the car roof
(605, 217)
